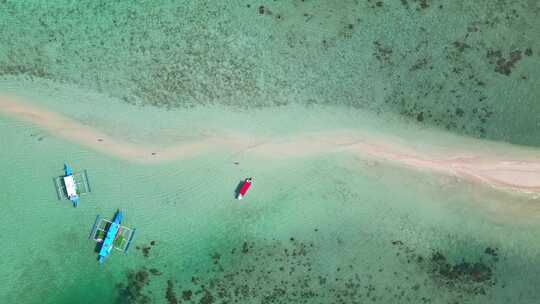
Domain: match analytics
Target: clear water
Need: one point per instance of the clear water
(328, 229)
(469, 67)
(323, 228)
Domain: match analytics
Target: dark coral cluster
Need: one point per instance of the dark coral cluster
(460, 275)
(145, 249)
(289, 271)
(502, 65)
(170, 294)
(133, 292)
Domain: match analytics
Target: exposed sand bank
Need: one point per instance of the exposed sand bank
(65, 127)
(500, 170)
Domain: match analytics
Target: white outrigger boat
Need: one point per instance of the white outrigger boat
(71, 185)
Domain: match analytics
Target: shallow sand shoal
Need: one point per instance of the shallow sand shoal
(501, 169)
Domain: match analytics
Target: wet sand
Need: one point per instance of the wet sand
(502, 169)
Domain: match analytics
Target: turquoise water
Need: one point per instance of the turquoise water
(331, 228)
(328, 228)
(317, 228)
(468, 67)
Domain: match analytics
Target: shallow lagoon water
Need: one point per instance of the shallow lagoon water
(328, 227)
(322, 228)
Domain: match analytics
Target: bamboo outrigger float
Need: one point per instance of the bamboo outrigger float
(111, 235)
(71, 185)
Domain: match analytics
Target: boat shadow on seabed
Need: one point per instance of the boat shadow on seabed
(238, 187)
(243, 187)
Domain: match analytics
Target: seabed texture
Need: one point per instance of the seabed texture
(322, 228)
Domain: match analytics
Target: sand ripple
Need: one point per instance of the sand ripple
(500, 170)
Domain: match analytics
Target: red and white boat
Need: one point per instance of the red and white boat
(245, 187)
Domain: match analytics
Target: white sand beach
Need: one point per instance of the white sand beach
(500, 170)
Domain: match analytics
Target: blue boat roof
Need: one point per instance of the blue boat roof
(111, 235)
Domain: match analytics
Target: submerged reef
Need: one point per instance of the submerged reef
(290, 271)
(145, 249)
(466, 74)
(170, 294)
(133, 292)
(502, 65)
(461, 275)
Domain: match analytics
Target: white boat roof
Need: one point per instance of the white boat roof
(71, 187)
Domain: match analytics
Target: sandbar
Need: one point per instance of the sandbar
(500, 170)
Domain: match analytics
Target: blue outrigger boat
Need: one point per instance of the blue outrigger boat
(111, 235)
(71, 185)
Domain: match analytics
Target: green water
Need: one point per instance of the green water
(323, 228)
(326, 229)
(469, 67)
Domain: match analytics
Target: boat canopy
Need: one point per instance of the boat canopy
(112, 235)
(71, 186)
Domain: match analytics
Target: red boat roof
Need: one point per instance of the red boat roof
(245, 187)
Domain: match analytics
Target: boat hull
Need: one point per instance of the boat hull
(107, 245)
(71, 186)
(244, 189)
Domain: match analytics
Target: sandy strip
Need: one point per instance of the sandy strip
(65, 127)
(521, 175)
(502, 172)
